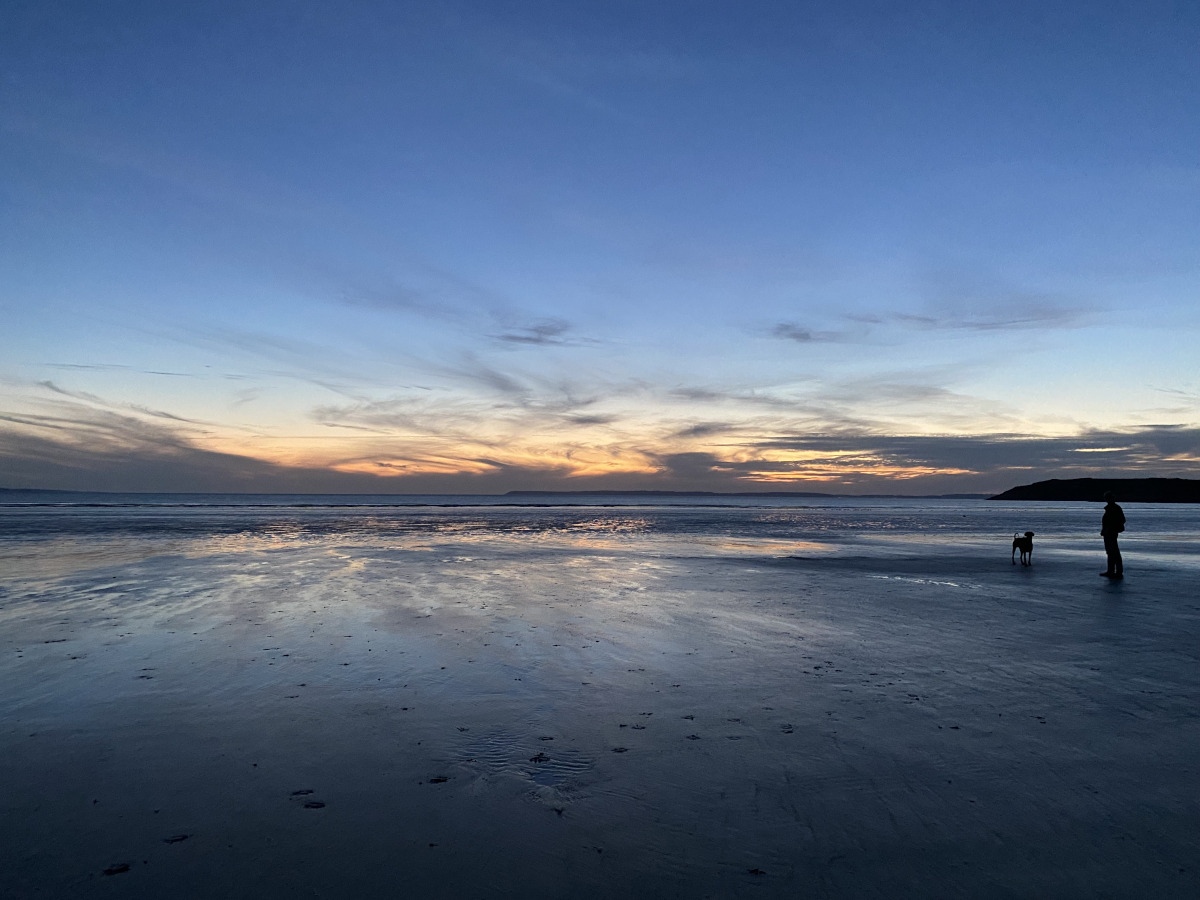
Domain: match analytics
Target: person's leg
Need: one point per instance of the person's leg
(1113, 554)
(1117, 563)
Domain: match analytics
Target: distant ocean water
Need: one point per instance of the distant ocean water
(846, 523)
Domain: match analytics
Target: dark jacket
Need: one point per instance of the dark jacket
(1114, 519)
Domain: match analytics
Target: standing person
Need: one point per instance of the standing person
(1111, 525)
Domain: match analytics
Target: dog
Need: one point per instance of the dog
(1025, 545)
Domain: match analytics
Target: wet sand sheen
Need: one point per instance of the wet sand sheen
(604, 719)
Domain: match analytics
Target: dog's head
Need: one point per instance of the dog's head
(1029, 534)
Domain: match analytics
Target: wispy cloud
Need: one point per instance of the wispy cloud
(96, 400)
(332, 366)
(792, 332)
(399, 298)
(72, 442)
(105, 367)
(1156, 449)
(702, 430)
(973, 300)
(162, 414)
(587, 421)
(1010, 319)
(735, 397)
(78, 395)
(549, 331)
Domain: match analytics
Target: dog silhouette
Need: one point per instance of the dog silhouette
(1024, 543)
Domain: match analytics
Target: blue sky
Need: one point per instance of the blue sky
(485, 246)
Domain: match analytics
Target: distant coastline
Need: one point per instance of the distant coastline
(1126, 490)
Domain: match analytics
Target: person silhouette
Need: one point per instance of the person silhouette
(1112, 524)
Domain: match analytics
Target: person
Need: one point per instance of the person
(1112, 524)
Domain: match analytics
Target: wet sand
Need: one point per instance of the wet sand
(594, 718)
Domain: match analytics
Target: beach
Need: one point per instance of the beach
(597, 701)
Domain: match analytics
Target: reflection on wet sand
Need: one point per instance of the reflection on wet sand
(590, 709)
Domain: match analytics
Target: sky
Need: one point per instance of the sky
(472, 247)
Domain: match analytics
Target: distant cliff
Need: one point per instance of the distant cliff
(1126, 490)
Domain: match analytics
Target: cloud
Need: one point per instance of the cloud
(703, 429)
(421, 288)
(966, 301)
(792, 332)
(161, 414)
(977, 301)
(334, 368)
(504, 428)
(692, 465)
(114, 454)
(398, 298)
(1005, 319)
(481, 374)
(105, 367)
(91, 366)
(95, 400)
(83, 448)
(882, 401)
(733, 397)
(1158, 449)
(1017, 316)
(548, 331)
(77, 395)
(494, 403)
(447, 298)
(858, 462)
(407, 414)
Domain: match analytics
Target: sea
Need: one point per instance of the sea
(598, 696)
(674, 523)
